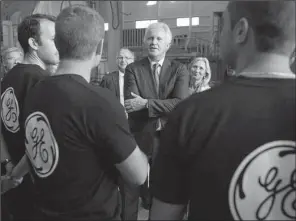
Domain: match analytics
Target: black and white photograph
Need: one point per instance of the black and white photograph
(148, 110)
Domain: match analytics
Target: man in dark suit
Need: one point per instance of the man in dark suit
(153, 87)
(115, 83)
(115, 80)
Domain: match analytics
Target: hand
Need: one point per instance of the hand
(135, 104)
(8, 183)
(9, 167)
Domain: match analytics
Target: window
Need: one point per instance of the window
(106, 26)
(145, 23)
(181, 22)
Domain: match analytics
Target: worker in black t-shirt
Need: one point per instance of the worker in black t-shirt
(36, 36)
(230, 152)
(77, 136)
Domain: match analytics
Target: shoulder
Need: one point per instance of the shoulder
(113, 74)
(104, 105)
(207, 103)
(103, 97)
(178, 67)
(138, 63)
(110, 75)
(175, 63)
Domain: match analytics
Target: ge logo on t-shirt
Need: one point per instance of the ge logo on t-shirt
(10, 110)
(41, 145)
(264, 185)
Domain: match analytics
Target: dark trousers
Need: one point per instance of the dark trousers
(130, 200)
(144, 189)
(19, 202)
(130, 194)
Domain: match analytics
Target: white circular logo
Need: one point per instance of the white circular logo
(263, 187)
(41, 145)
(10, 110)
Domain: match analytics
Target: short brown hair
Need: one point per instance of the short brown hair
(30, 28)
(79, 31)
(273, 22)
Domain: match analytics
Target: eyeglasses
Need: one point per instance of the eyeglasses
(125, 58)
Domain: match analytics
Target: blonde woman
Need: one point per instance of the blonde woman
(200, 75)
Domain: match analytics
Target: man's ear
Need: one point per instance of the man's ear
(169, 45)
(100, 47)
(241, 30)
(33, 43)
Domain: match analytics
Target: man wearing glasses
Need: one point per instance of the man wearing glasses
(115, 83)
(115, 80)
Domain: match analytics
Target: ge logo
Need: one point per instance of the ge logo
(264, 185)
(41, 146)
(10, 110)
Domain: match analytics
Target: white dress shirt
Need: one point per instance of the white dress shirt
(121, 87)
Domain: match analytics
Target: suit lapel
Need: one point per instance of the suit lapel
(148, 75)
(165, 75)
(116, 83)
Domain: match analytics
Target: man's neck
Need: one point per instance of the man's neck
(264, 63)
(121, 70)
(82, 68)
(32, 58)
(156, 59)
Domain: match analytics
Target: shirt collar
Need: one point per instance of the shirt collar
(154, 62)
(121, 73)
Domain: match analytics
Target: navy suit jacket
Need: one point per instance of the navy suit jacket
(174, 83)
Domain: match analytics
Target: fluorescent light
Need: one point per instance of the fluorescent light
(106, 26)
(144, 23)
(151, 3)
(182, 22)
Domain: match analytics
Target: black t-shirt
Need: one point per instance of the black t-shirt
(75, 134)
(14, 88)
(230, 151)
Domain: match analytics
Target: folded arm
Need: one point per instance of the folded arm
(158, 108)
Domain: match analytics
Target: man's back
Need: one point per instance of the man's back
(14, 88)
(253, 126)
(74, 168)
(239, 142)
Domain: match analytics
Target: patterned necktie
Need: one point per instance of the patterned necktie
(156, 75)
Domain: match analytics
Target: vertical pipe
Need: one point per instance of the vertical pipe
(190, 24)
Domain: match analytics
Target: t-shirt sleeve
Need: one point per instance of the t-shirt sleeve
(110, 132)
(171, 169)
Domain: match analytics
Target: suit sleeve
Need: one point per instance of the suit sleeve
(104, 83)
(130, 84)
(158, 108)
